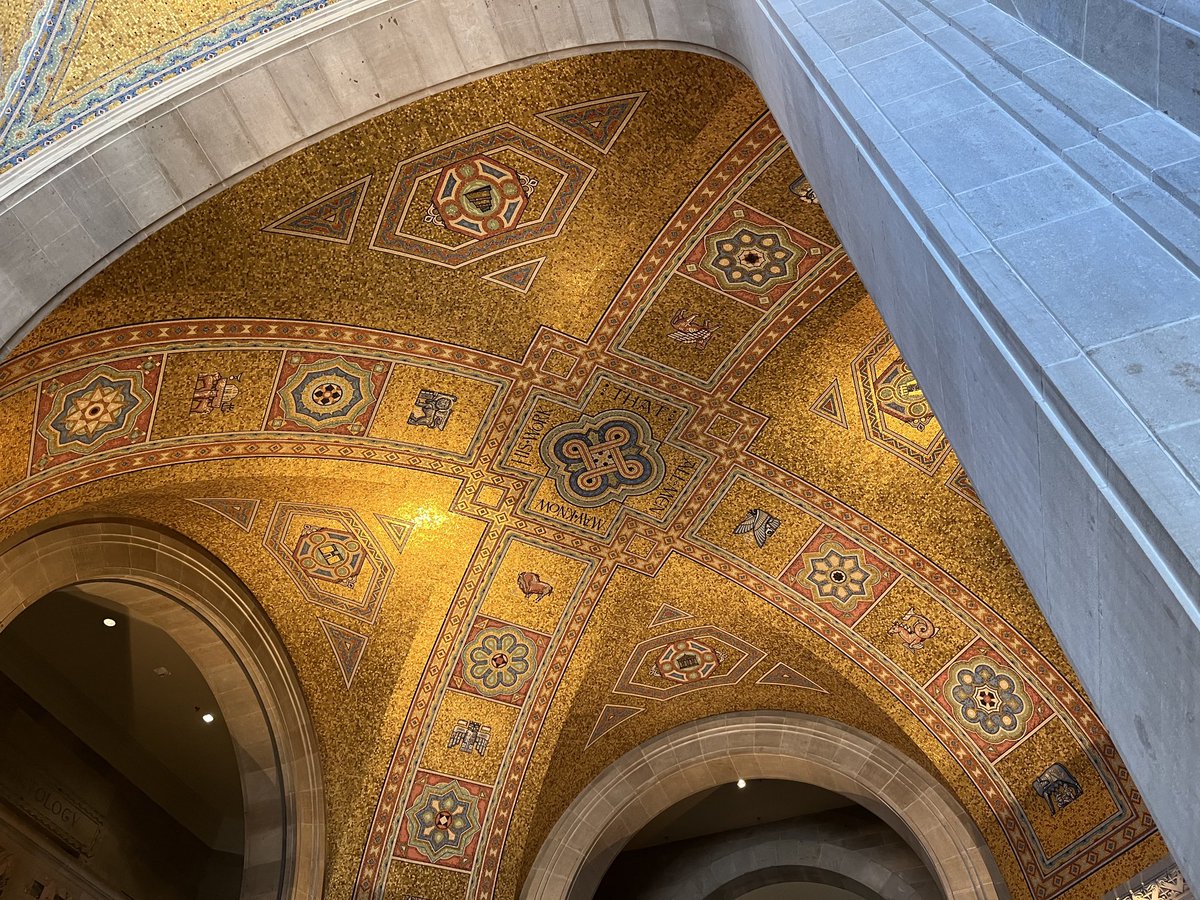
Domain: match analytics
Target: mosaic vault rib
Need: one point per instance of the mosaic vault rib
(580, 462)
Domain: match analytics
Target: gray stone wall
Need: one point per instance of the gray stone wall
(1151, 48)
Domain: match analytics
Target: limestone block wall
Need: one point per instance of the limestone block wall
(1149, 47)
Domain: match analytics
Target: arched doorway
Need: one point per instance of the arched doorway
(164, 583)
(789, 746)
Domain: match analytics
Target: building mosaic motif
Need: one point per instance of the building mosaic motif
(597, 459)
(433, 409)
(315, 392)
(442, 821)
(330, 218)
(102, 408)
(470, 737)
(598, 123)
(753, 257)
(331, 556)
(214, 392)
(399, 229)
(758, 524)
(687, 661)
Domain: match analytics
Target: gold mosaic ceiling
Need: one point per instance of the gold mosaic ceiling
(554, 398)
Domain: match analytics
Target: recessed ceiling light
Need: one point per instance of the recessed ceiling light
(109, 623)
(208, 718)
(741, 782)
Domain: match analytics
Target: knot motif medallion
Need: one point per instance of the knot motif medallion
(610, 456)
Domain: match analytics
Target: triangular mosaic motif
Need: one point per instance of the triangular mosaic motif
(348, 647)
(597, 123)
(329, 218)
(667, 614)
(398, 530)
(789, 677)
(829, 405)
(961, 485)
(518, 277)
(610, 717)
(240, 512)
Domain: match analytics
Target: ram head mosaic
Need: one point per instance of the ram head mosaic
(554, 401)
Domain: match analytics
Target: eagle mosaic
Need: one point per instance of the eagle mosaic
(576, 426)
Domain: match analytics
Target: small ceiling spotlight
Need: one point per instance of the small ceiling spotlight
(741, 782)
(208, 718)
(109, 623)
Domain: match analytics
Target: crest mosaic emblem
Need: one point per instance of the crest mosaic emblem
(688, 661)
(480, 197)
(596, 459)
(332, 557)
(471, 198)
(329, 554)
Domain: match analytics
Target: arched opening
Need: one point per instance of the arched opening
(117, 769)
(720, 750)
(770, 839)
(166, 600)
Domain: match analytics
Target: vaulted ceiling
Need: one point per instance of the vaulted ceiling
(543, 415)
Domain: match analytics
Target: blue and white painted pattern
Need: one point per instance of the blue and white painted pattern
(29, 124)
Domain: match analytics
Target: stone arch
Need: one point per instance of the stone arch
(174, 585)
(783, 745)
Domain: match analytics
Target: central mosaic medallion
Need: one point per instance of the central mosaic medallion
(611, 456)
(989, 700)
(498, 661)
(752, 258)
(326, 394)
(480, 197)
